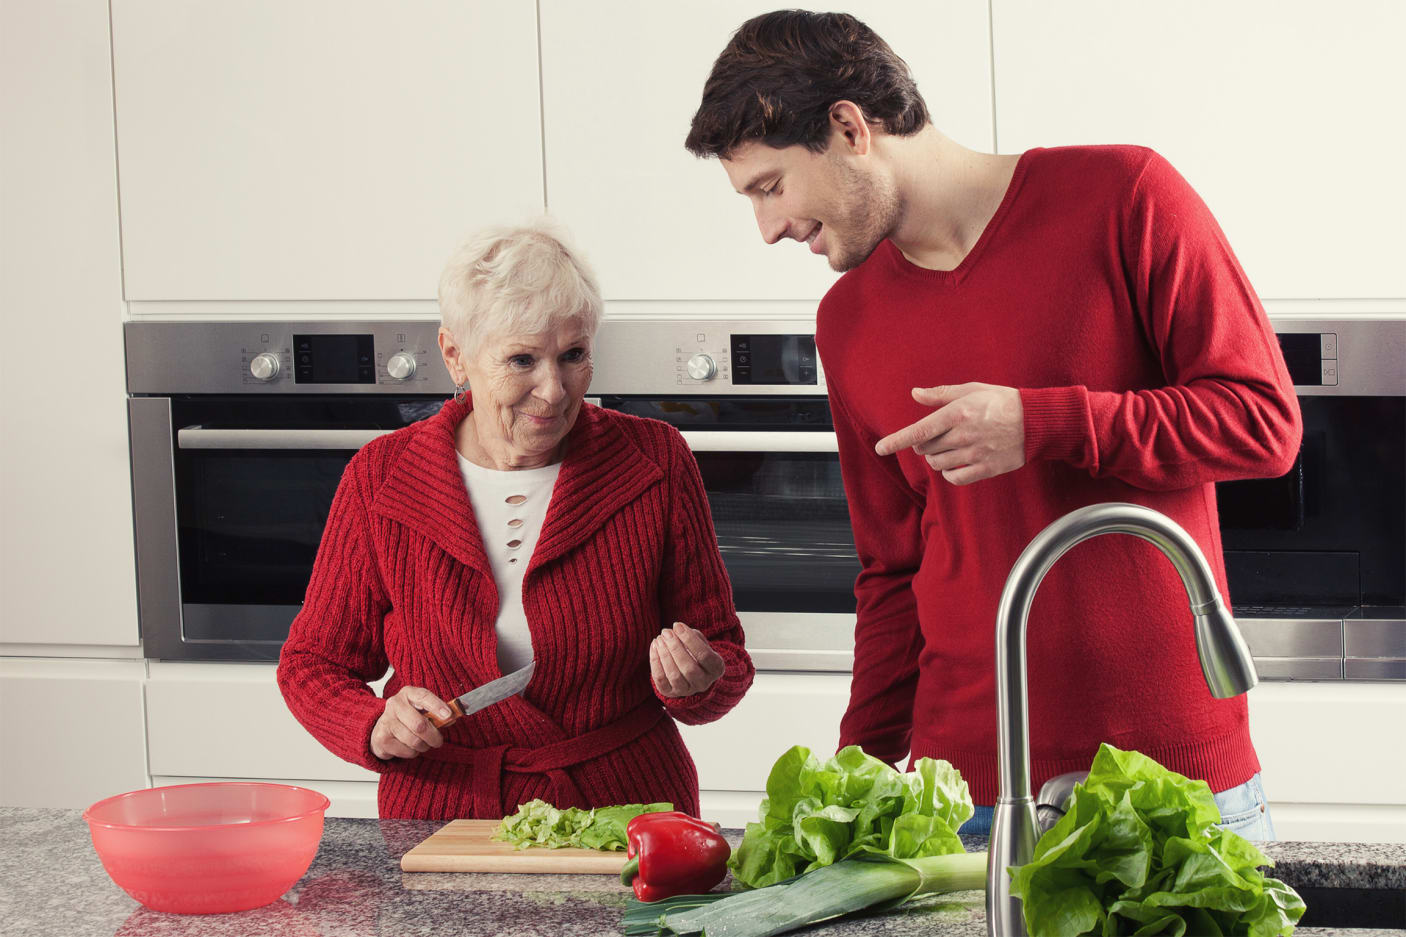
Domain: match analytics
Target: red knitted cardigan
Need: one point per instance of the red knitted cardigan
(402, 581)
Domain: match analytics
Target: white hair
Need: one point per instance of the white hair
(516, 280)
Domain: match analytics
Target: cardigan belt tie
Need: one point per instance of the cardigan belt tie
(486, 765)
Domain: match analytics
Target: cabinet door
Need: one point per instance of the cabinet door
(621, 80)
(1279, 114)
(71, 731)
(325, 149)
(209, 720)
(736, 752)
(1330, 769)
(66, 568)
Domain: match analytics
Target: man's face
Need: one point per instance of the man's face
(829, 201)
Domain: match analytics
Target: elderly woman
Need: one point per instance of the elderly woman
(518, 523)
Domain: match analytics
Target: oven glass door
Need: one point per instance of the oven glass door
(771, 470)
(254, 481)
(783, 527)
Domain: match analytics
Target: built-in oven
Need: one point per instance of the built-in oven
(1316, 559)
(240, 433)
(749, 397)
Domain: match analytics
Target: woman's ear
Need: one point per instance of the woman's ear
(450, 350)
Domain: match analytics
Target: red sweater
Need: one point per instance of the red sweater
(402, 581)
(1104, 290)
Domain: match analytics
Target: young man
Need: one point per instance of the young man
(1014, 337)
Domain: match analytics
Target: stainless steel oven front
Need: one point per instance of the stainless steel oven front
(749, 398)
(240, 433)
(1316, 559)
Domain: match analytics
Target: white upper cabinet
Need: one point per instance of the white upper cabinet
(67, 575)
(324, 149)
(1285, 116)
(621, 80)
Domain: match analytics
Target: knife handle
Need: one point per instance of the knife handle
(455, 713)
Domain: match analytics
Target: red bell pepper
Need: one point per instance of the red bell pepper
(672, 854)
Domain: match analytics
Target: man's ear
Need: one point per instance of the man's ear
(849, 128)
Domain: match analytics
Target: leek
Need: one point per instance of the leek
(870, 883)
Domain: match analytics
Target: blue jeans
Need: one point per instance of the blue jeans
(1243, 810)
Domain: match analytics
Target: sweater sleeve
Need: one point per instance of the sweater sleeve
(334, 647)
(886, 518)
(694, 589)
(1228, 408)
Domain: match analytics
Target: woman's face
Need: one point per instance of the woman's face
(527, 389)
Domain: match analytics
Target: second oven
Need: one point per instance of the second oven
(771, 470)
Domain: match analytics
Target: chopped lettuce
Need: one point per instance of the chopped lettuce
(538, 823)
(1138, 852)
(815, 814)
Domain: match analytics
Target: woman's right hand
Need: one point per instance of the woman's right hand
(403, 731)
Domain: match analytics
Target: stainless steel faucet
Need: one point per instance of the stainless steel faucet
(1225, 662)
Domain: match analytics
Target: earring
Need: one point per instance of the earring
(460, 389)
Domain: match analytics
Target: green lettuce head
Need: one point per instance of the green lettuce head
(817, 813)
(1139, 852)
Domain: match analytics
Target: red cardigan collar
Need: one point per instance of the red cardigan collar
(603, 470)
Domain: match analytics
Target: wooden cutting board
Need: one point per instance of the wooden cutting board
(467, 846)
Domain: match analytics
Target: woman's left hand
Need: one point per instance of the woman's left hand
(682, 662)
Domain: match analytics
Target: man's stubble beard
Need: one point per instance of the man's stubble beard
(869, 209)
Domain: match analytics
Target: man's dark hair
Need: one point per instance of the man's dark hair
(780, 73)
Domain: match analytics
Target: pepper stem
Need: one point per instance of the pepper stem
(631, 869)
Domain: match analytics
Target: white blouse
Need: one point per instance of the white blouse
(510, 508)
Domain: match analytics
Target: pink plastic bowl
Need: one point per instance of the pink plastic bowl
(208, 848)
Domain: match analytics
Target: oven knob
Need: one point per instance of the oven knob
(264, 367)
(401, 366)
(702, 367)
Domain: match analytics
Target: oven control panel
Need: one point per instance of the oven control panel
(724, 358)
(1343, 357)
(293, 357)
(337, 361)
(700, 356)
(1312, 357)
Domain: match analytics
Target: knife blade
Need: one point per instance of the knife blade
(480, 697)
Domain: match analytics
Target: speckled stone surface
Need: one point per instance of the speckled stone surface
(51, 883)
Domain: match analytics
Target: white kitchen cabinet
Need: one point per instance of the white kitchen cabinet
(67, 575)
(71, 731)
(621, 80)
(326, 149)
(735, 754)
(1279, 114)
(230, 721)
(1332, 759)
(349, 798)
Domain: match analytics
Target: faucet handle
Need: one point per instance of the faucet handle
(1054, 798)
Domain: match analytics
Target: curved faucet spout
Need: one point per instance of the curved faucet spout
(1225, 663)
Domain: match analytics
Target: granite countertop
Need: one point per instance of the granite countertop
(51, 883)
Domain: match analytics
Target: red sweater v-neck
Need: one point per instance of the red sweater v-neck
(1105, 291)
(402, 581)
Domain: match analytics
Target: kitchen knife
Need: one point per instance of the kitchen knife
(494, 691)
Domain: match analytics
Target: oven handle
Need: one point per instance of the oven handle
(198, 437)
(721, 441)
